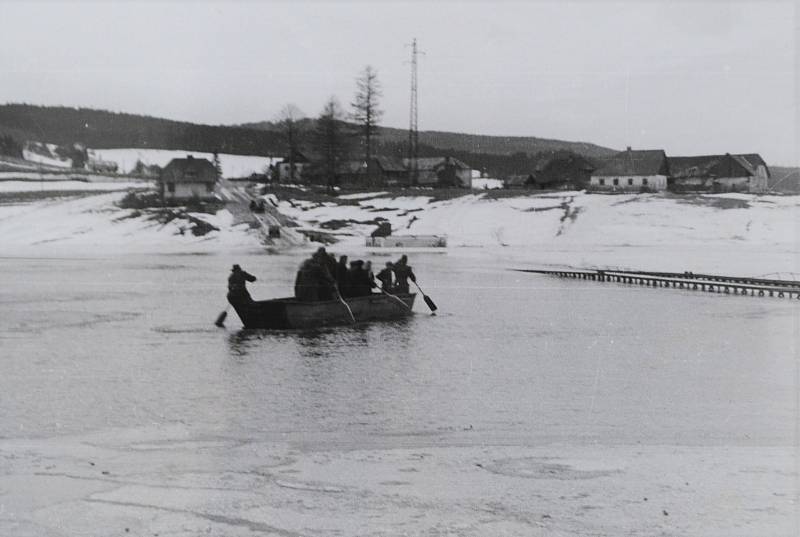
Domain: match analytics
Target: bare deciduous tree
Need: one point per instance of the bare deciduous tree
(365, 110)
(331, 139)
(288, 124)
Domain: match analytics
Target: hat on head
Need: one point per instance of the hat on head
(236, 267)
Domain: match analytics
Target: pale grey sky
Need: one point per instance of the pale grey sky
(688, 77)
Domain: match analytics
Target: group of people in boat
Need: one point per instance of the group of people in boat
(322, 277)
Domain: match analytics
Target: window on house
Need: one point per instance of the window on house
(171, 187)
(630, 181)
(602, 182)
(644, 181)
(616, 181)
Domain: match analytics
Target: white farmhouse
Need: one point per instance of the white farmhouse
(187, 178)
(632, 171)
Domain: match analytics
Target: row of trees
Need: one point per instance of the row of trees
(9, 146)
(332, 137)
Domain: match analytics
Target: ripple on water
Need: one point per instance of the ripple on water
(536, 468)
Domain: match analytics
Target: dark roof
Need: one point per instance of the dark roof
(190, 170)
(432, 163)
(391, 164)
(634, 162)
(518, 180)
(563, 167)
(300, 157)
(716, 165)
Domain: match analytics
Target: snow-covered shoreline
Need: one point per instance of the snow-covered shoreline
(732, 233)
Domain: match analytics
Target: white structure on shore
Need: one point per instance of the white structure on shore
(632, 171)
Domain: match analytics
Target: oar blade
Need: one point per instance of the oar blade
(431, 304)
(220, 322)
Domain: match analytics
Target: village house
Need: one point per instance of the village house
(719, 173)
(632, 171)
(186, 178)
(389, 171)
(284, 168)
(382, 171)
(568, 171)
(522, 180)
(559, 170)
(393, 171)
(442, 172)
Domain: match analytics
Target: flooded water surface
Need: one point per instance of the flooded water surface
(522, 389)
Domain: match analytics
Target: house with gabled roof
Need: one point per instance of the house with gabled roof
(632, 170)
(442, 171)
(291, 167)
(719, 173)
(186, 178)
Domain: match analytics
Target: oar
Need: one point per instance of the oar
(394, 297)
(431, 304)
(220, 322)
(339, 295)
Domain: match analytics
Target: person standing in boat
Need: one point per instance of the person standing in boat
(237, 285)
(359, 279)
(314, 280)
(342, 276)
(385, 277)
(325, 266)
(370, 276)
(305, 286)
(403, 273)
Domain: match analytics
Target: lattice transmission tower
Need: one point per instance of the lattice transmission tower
(413, 132)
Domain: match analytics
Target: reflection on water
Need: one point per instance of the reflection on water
(320, 341)
(132, 340)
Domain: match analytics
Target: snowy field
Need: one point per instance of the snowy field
(45, 160)
(71, 186)
(233, 166)
(486, 184)
(727, 234)
(94, 225)
(62, 176)
(740, 232)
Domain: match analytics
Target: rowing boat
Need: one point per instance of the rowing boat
(288, 313)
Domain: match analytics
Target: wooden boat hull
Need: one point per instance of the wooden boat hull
(289, 313)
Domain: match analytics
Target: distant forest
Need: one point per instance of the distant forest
(499, 156)
(103, 130)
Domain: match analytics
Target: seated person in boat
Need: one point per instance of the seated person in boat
(403, 273)
(237, 285)
(386, 278)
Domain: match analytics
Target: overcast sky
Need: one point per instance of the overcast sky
(691, 78)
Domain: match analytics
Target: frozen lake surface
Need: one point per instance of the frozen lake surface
(528, 406)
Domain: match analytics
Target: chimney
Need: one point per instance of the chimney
(629, 149)
(190, 157)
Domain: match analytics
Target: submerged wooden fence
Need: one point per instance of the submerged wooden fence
(737, 285)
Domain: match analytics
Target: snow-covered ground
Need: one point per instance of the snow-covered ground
(63, 176)
(94, 224)
(232, 165)
(66, 186)
(481, 183)
(728, 234)
(32, 156)
(753, 234)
